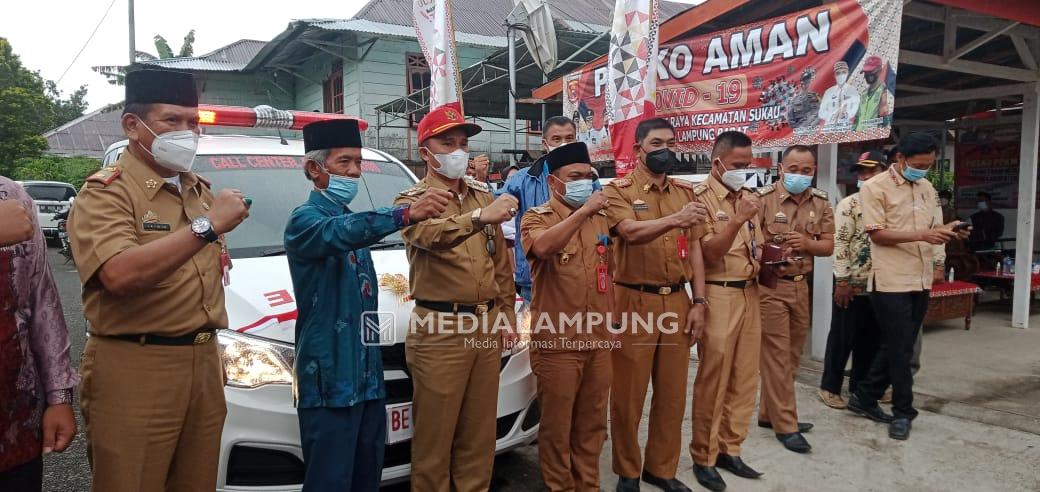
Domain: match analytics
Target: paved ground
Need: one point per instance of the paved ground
(979, 428)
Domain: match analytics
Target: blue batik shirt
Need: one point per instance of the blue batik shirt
(335, 281)
(530, 191)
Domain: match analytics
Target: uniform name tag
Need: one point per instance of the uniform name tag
(155, 226)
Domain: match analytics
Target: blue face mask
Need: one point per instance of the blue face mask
(341, 189)
(913, 174)
(577, 192)
(796, 183)
(859, 184)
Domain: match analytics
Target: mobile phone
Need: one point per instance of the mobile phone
(961, 226)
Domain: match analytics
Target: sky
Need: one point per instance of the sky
(47, 34)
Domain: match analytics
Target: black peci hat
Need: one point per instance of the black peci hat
(161, 87)
(870, 159)
(572, 153)
(331, 134)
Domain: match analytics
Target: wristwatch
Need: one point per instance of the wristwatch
(700, 300)
(202, 228)
(476, 217)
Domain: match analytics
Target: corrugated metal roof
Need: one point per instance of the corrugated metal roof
(230, 58)
(89, 135)
(487, 17)
(372, 27)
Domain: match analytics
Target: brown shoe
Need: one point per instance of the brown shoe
(887, 397)
(830, 399)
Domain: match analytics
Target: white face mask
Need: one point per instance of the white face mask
(174, 150)
(735, 179)
(842, 78)
(453, 165)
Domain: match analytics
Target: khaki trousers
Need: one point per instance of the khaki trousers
(573, 388)
(727, 373)
(659, 354)
(154, 415)
(785, 325)
(454, 406)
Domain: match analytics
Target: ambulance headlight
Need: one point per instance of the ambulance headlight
(251, 362)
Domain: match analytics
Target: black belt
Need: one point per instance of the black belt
(451, 307)
(735, 284)
(196, 338)
(794, 278)
(655, 289)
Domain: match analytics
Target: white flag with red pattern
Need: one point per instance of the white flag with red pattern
(436, 33)
(632, 75)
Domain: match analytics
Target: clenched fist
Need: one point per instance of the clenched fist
(503, 209)
(747, 207)
(692, 214)
(478, 167)
(228, 211)
(15, 223)
(596, 202)
(431, 204)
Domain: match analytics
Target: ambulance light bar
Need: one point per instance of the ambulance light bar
(264, 116)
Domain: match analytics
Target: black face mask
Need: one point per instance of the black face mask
(661, 161)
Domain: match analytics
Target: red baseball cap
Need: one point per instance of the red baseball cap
(442, 119)
(873, 64)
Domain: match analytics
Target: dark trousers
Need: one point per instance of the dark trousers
(902, 314)
(343, 447)
(23, 478)
(854, 331)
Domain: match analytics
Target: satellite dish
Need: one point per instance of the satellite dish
(532, 18)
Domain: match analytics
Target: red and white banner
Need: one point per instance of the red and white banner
(817, 76)
(632, 75)
(436, 34)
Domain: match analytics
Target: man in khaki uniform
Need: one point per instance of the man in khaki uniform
(799, 219)
(901, 213)
(567, 242)
(658, 253)
(461, 278)
(146, 235)
(727, 371)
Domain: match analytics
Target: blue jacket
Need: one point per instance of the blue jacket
(335, 281)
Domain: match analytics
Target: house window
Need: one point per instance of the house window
(418, 78)
(534, 127)
(333, 90)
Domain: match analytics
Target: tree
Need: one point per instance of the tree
(74, 170)
(25, 110)
(116, 74)
(66, 110)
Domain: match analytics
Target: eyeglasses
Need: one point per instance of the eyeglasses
(489, 231)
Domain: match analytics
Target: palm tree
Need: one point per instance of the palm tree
(116, 74)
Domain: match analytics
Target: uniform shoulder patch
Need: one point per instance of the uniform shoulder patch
(819, 193)
(106, 175)
(699, 189)
(414, 191)
(682, 183)
(477, 185)
(765, 190)
(620, 182)
(541, 209)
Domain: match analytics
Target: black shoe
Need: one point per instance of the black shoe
(803, 427)
(794, 442)
(736, 466)
(625, 484)
(874, 413)
(666, 484)
(899, 429)
(709, 477)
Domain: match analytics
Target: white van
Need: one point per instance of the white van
(51, 197)
(260, 446)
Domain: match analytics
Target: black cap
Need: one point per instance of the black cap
(161, 87)
(870, 159)
(572, 153)
(331, 134)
